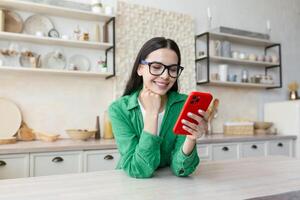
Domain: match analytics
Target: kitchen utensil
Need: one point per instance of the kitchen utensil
(54, 60)
(79, 134)
(25, 133)
(38, 23)
(10, 118)
(46, 136)
(10, 140)
(12, 22)
(82, 63)
(262, 125)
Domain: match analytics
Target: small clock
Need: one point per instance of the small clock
(53, 33)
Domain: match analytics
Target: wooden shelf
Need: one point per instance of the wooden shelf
(54, 10)
(53, 71)
(238, 84)
(237, 61)
(240, 39)
(54, 41)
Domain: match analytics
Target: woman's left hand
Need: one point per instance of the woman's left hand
(196, 130)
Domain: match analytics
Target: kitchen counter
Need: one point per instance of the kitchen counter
(238, 179)
(73, 145)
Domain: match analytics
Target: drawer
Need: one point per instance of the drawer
(225, 152)
(253, 149)
(14, 166)
(55, 163)
(280, 147)
(100, 160)
(203, 152)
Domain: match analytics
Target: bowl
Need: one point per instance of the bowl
(262, 125)
(79, 134)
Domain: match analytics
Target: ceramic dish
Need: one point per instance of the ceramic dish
(10, 118)
(80, 63)
(79, 134)
(13, 22)
(38, 23)
(54, 60)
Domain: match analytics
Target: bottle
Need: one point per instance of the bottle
(108, 133)
(97, 135)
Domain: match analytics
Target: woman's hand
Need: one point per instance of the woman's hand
(150, 101)
(196, 130)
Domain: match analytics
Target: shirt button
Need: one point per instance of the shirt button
(181, 171)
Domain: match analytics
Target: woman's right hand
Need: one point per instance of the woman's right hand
(150, 101)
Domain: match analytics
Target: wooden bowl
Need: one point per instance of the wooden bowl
(79, 134)
(262, 125)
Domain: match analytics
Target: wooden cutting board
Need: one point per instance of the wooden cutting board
(10, 118)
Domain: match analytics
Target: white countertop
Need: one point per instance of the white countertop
(238, 179)
(73, 145)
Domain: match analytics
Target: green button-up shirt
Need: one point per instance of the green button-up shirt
(141, 152)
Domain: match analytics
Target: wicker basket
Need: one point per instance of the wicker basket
(238, 128)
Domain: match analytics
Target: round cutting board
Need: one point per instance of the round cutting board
(10, 118)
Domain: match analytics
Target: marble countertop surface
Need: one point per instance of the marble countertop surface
(73, 145)
(239, 179)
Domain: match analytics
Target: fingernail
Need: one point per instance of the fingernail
(189, 114)
(183, 127)
(183, 121)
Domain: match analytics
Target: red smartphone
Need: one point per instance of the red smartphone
(194, 102)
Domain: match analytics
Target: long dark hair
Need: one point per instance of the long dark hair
(135, 81)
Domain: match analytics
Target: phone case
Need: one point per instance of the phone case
(194, 102)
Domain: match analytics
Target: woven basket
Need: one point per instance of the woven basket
(238, 128)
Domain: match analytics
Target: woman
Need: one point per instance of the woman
(143, 118)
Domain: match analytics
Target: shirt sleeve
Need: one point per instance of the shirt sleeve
(181, 164)
(139, 156)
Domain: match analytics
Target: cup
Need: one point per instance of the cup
(274, 59)
(242, 56)
(245, 76)
(252, 57)
(235, 54)
(232, 77)
(223, 70)
(226, 49)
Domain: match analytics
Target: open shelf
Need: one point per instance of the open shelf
(46, 9)
(237, 61)
(53, 71)
(54, 41)
(239, 84)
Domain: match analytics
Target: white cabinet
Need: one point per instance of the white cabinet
(99, 160)
(280, 147)
(14, 166)
(224, 151)
(253, 149)
(42, 164)
(204, 151)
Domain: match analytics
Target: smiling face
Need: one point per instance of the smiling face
(163, 83)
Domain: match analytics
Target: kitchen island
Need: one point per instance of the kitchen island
(238, 179)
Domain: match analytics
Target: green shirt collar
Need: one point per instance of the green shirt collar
(173, 97)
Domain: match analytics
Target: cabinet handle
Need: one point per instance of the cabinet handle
(2, 163)
(280, 144)
(225, 149)
(254, 146)
(108, 157)
(57, 159)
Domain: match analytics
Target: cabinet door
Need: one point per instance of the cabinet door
(224, 151)
(253, 149)
(99, 160)
(14, 166)
(204, 152)
(280, 147)
(55, 163)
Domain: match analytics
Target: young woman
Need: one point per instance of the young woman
(143, 118)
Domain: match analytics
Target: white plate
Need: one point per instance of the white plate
(54, 60)
(10, 118)
(38, 23)
(82, 63)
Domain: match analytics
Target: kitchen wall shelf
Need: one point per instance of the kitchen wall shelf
(46, 9)
(54, 41)
(52, 71)
(264, 45)
(220, 59)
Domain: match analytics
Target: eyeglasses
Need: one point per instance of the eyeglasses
(157, 68)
